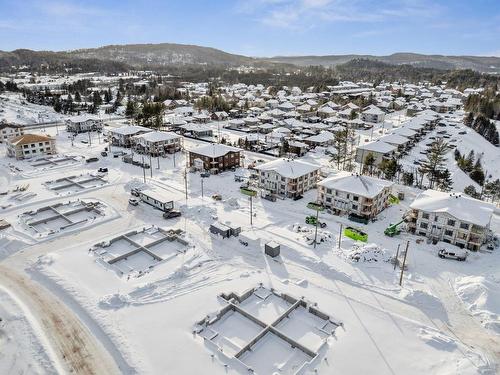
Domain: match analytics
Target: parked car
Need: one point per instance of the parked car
(104, 153)
(297, 197)
(205, 174)
(462, 132)
(92, 160)
(103, 170)
(84, 141)
(171, 214)
(133, 201)
(457, 254)
(134, 192)
(217, 197)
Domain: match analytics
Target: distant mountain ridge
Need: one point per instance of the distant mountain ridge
(485, 64)
(122, 57)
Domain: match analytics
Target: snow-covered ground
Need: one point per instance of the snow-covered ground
(441, 321)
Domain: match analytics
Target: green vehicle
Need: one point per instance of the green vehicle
(312, 220)
(393, 229)
(355, 234)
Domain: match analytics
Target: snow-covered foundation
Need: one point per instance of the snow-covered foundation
(263, 332)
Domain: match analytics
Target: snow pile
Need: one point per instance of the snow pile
(481, 296)
(136, 184)
(114, 301)
(200, 214)
(47, 259)
(368, 253)
(437, 339)
(308, 231)
(231, 203)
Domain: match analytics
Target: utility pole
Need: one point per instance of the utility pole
(185, 184)
(90, 138)
(251, 211)
(340, 236)
(143, 170)
(150, 165)
(202, 187)
(316, 229)
(174, 159)
(396, 257)
(404, 262)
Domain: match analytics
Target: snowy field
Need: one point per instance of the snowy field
(443, 320)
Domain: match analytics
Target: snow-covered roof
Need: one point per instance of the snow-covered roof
(324, 136)
(288, 168)
(129, 130)
(214, 150)
(457, 205)
(378, 146)
(157, 136)
(364, 186)
(394, 139)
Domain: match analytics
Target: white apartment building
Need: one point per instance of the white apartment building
(451, 217)
(10, 131)
(287, 178)
(346, 193)
(157, 142)
(30, 145)
(373, 114)
(122, 136)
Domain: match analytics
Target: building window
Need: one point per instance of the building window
(464, 226)
(425, 216)
(448, 233)
(356, 198)
(451, 223)
(424, 225)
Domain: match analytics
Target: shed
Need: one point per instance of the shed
(220, 229)
(272, 249)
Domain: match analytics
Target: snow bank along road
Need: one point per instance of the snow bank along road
(77, 350)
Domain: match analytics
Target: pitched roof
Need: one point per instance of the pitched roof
(457, 205)
(364, 186)
(214, 150)
(288, 168)
(28, 139)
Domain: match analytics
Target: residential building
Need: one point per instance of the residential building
(373, 114)
(123, 136)
(214, 157)
(10, 131)
(30, 145)
(157, 142)
(380, 151)
(450, 217)
(83, 123)
(346, 193)
(287, 178)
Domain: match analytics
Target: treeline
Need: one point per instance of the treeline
(483, 126)
(487, 104)
(471, 166)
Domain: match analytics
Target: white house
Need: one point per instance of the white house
(373, 114)
(346, 193)
(380, 151)
(83, 123)
(10, 131)
(122, 136)
(451, 217)
(287, 178)
(157, 143)
(30, 145)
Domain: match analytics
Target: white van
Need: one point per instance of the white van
(456, 253)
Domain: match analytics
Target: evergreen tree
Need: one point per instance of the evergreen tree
(369, 163)
(435, 161)
(444, 182)
(408, 178)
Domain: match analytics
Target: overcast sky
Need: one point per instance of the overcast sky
(258, 27)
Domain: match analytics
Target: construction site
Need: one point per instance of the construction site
(137, 252)
(267, 332)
